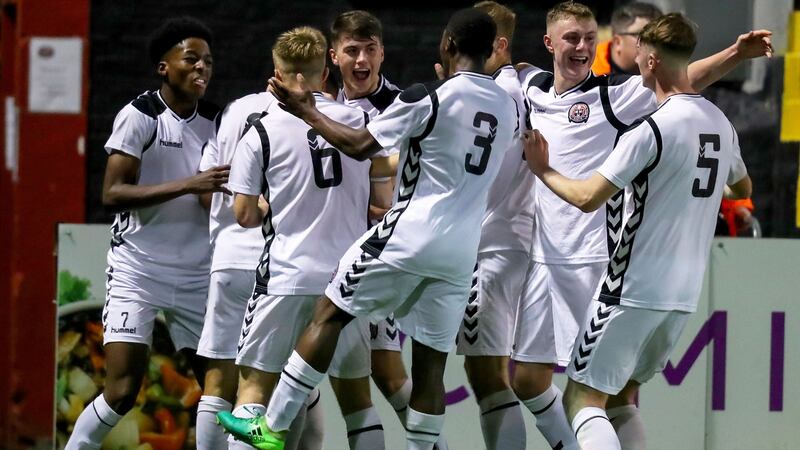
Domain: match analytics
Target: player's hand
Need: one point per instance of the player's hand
(439, 69)
(212, 180)
(298, 101)
(754, 44)
(536, 151)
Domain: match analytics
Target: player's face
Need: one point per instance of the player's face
(625, 45)
(359, 61)
(573, 43)
(187, 67)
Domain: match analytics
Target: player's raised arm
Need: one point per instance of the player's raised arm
(356, 143)
(750, 45)
(587, 195)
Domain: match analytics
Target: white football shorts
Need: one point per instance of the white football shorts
(228, 294)
(272, 325)
(384, 335)
(133, 300)
(551, 310)
(619, 343)
(426, 309)
(487, 328)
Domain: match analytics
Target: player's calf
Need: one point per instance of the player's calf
(585, 407)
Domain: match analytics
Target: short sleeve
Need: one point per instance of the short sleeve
(247, 169)
(738, 169)
(629, 99)
(635, 150)
(406, 117)
(132, 133)
(210, 158)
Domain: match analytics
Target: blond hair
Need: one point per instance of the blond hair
(672, 34)
(567, 10)
(503, 17)
(300, 50)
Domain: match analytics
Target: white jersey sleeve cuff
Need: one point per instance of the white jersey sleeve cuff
(124, 148)
(242, 189)
(615, 180)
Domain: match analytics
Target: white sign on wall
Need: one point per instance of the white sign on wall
(55, 74)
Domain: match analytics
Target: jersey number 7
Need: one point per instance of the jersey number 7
(705, 161)
(482, 142)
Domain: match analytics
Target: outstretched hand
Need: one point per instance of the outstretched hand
(754, 44)
(439, 69)
(298, 100)
(536, 151)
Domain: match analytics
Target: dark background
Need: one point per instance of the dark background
(245, 31)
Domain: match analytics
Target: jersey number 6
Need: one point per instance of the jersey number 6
(317, 154)
(707, 162)
(483, 142)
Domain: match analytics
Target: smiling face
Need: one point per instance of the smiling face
(187, 68)
(359, 62)
(573, 43)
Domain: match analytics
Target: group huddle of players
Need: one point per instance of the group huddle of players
(500, 210)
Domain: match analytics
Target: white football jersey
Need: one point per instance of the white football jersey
(508, 221)
(233, 247)
(171, 237)
(581, 126)
(674, 166)
(374, 104)
(318, 197)
(452, 135)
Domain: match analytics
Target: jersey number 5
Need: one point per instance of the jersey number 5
(317, 155)
(483, 142)
(705, 161)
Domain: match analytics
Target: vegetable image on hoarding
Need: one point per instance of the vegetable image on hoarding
(164, 413)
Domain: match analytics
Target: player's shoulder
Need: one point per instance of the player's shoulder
(339, 111)
(242, 107)
(534, 77)
(419, 91)
(384, 95)
(208, 110)
(148, 104)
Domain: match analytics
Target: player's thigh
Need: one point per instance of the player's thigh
(487, 328)
(432, 313)
(572, 287)
(271, 328)
(132, 303)
(610, 344)
(534, 329)
(228, 293)
(184, 315)
(662, 342)
(352, 357)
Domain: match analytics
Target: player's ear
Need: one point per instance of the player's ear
(162, 68)
(278, 75)
(334, 59)
(450, 47)
(548, 43)
(501, 44)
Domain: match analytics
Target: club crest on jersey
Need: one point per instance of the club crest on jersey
(578, 113)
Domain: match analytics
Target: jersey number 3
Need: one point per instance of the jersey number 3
(707, 161)
(317, 155)
(482, 142)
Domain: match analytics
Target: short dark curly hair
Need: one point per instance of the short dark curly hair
(473, 32)
(174, 31)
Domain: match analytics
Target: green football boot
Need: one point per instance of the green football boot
(254, 431)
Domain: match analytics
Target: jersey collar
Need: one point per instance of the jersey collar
(572, 89)
(501, 69)
(473, 74)
(174, 114)
(381, 82)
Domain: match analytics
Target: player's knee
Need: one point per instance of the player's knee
(486, 377)
(531, 380)
(121, 393)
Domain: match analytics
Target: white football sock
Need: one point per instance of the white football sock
(297, 381)
(422, 430)
(551, 420)
(364, 430)
(314, 429)
(594, 431)
(246, 411)
(296, 430)
(210, 436)
(501, 422)
(92, 426)
(399, 400)
(627, 422)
